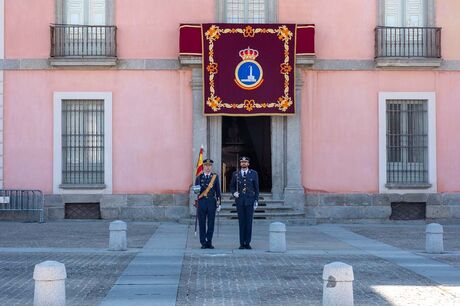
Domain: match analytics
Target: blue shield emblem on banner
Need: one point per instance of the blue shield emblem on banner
(249, 73)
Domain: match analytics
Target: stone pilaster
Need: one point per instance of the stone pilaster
(199, 125)
(294, 192)
(278, 166)
(215, 143)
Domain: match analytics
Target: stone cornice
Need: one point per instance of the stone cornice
(190, 62)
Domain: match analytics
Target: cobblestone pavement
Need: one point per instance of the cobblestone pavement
(412, 238)
(269, 279)
(70, 234)
(407, 237)
(91, 269)
(89, 276)
(305, 238)
(227, 276)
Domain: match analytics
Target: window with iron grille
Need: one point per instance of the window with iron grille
(407, 142)
(246, 11)
(82, 142)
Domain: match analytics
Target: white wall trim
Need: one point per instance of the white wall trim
(432, 175)
(57, 145)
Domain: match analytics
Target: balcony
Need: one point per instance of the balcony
(407, 46)
(83, 45)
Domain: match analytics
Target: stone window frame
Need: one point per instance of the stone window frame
(57, 140)
(271, 13)
(430, 6)
(430, 97)
(109, 12)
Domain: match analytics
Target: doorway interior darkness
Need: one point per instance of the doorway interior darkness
(248, 136)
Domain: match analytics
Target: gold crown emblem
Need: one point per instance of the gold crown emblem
(249, 54)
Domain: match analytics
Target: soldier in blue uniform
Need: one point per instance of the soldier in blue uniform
(245, 188)
(208, 202)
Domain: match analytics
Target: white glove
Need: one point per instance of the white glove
(218, 208)
(236, 194)
(255, 205)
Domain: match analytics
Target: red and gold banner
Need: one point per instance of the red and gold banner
(249, 69)
(190, 40)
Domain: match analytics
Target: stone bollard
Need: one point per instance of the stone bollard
(338, 284)
(49, 279)
(434, 238)
(277, 237)
(117, 240)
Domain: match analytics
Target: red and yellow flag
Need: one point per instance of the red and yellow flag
(199, 163)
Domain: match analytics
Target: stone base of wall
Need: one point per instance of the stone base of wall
(320, 207)
(139, 207)
(326, 207)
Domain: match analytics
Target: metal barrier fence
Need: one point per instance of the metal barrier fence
(22, 200)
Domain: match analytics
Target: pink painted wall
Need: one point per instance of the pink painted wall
(448, 125)
(340, 127)
(149, 28)
(152, 123)
(152, 110)
(340, 132)
(146, 28)
(344, 29)
(27, 31)
(152, 127)
(447, 18)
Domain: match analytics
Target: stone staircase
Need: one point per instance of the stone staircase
(268, 209)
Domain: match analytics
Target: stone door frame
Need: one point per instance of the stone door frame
(285, 144)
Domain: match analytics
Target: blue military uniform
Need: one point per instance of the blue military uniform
(248, 189)
(206, 210)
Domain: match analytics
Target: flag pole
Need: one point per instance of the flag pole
(199, 164)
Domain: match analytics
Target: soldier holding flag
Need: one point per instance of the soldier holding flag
(208, 201)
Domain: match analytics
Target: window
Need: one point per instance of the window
(405, 13)
(83, 32)
(82, 142)
(407, 30)
(245, 11)
(407, 140)
(85, 12)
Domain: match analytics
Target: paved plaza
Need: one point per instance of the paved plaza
(164, 264)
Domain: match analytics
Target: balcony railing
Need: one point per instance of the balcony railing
(82, 41)
(420, 42)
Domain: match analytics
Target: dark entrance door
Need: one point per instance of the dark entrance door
(248, 136)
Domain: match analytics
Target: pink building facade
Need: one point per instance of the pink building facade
(98, 107)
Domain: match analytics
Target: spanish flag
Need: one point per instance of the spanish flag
(199, 163)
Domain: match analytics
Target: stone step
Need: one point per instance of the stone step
(268, 202)
(262, 196)
(223, 221)
(260, 214)
(260, 207)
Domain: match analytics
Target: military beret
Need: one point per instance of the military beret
(208, 161)
(244, 158)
